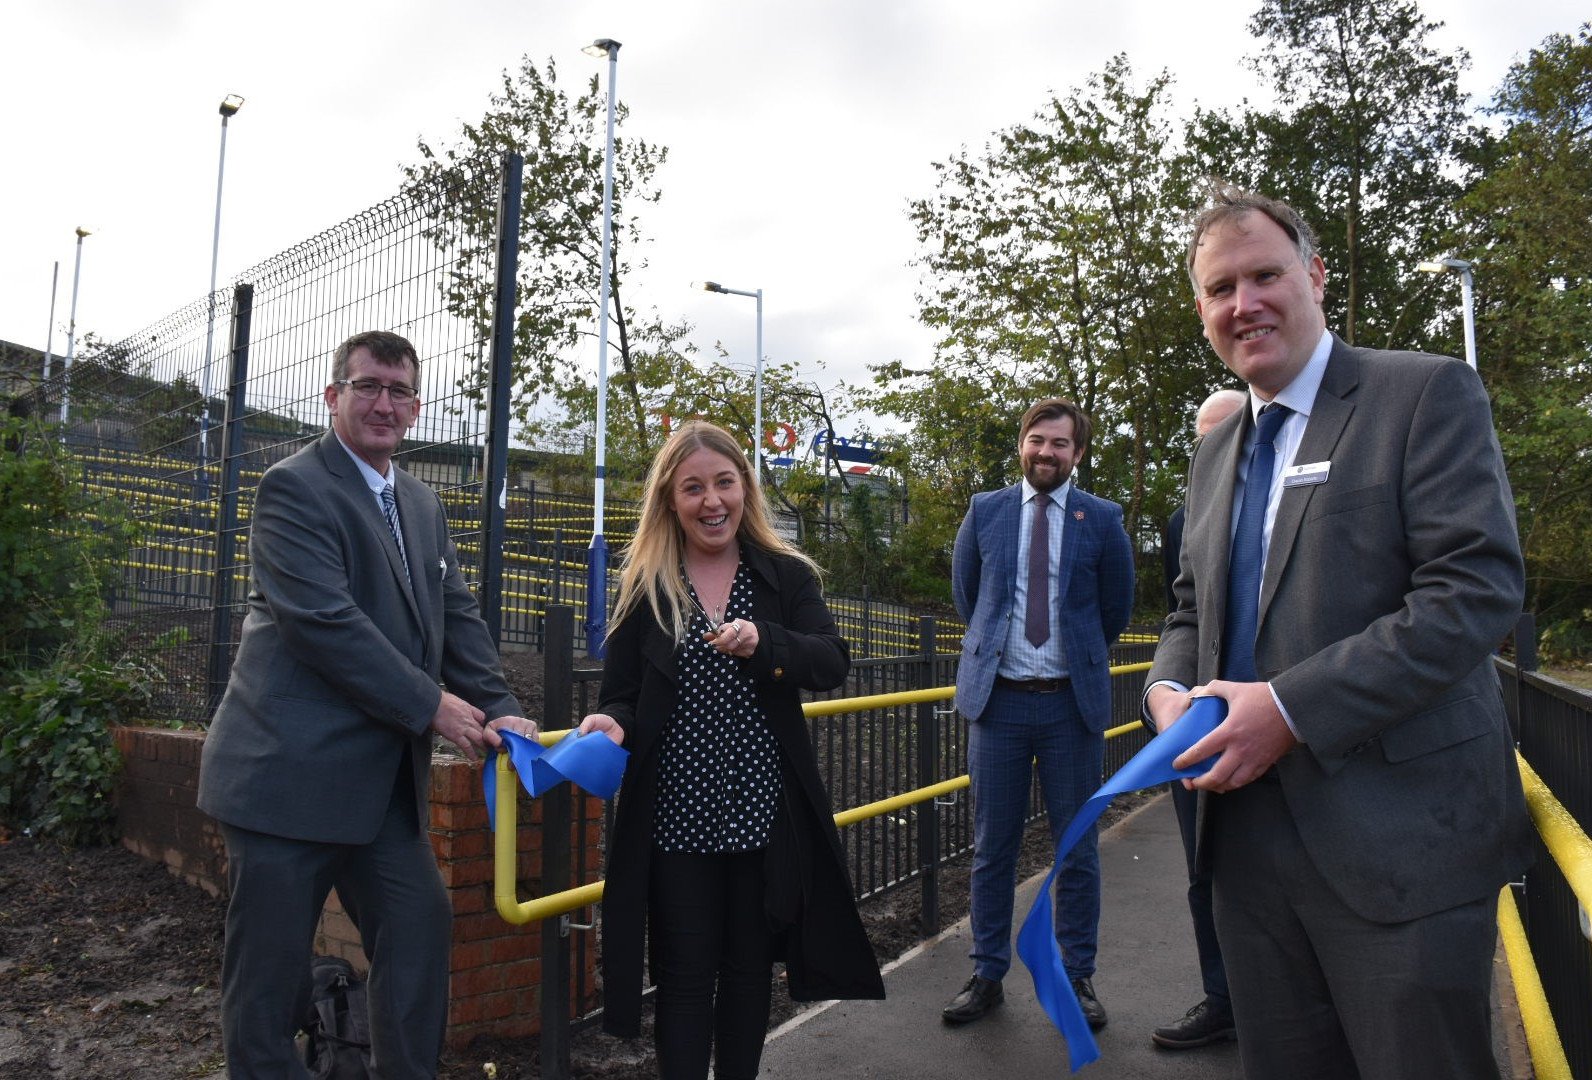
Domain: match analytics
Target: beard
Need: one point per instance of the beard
(1046, 474)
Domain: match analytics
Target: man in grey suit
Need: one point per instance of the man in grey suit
(1349, 564)
(1043, 575)
(361, 641)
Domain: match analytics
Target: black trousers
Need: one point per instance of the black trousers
(713, 958)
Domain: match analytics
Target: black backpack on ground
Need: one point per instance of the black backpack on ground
(336, 1039)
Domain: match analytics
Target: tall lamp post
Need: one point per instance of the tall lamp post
(597, 557)
(757, 377)
(1467, 291)
(229, 108)
(71, 331)
(49, 335)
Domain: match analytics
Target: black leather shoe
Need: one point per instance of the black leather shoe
(1200, 1026)
(1093, 1011)
(978, 997)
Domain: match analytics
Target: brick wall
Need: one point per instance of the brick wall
(495, 983)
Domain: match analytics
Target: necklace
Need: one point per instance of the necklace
(710, 589)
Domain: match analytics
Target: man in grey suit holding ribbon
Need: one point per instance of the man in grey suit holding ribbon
(361, 641)
(1043, 574)
(1349, 564)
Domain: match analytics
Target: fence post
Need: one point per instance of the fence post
(928, 757)
(494, 468)
(558, 691)
(226, 543)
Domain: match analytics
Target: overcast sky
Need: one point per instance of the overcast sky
(798, 132)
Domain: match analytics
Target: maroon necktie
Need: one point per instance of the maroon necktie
(1036, 623)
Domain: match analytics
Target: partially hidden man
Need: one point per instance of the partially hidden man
(1349, 564)
(361, 642)
(1043, 575)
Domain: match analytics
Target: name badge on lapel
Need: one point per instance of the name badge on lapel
(1305, 475)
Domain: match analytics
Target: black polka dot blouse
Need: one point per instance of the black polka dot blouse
(718, 778)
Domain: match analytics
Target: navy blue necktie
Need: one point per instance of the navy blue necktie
(1248, 555)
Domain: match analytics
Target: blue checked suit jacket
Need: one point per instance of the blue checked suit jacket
(1095, 579)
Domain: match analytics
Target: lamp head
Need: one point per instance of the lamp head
(82, 231)
(231, 104)
(1448, 265)
(602, 48)
(711, 286)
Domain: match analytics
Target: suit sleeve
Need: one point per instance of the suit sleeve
(1116, 579)
(470, 664)
(966, 565)
(299, 554)
(1464, 588)
(1177, 653)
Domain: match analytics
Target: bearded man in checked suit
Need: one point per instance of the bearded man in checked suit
(1366, 807)
(1043, 575)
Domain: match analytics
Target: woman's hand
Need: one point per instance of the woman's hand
(738, 637)
(604, 723)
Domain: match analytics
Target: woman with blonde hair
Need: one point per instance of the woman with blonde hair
(724, 850)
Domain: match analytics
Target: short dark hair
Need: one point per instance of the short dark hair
(386, 347)
(1229, 202)
(1054, 409)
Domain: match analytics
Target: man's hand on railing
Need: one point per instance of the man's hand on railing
(606, 724)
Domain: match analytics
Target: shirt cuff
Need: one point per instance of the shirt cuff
(1144, 702)
(1283, 709)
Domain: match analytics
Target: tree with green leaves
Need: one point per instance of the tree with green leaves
(1364, 143)
(1052, 265)
(562, 139)
(1527, 226)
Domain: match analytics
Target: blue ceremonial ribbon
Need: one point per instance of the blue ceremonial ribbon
(1036, 941)
(592, 762)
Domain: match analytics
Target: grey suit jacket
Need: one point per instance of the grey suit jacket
(1095, 595)
(1386, 589)
(340, 661)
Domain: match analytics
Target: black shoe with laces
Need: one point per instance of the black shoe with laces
(1202, 1025)
(978, 997)
(1093, 1011)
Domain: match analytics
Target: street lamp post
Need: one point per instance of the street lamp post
(229, 108)
(71, 331)
(1467, 293)
(597, 557)
(757, 377)
(49, 334)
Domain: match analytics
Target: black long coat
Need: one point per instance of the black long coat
(824, 947)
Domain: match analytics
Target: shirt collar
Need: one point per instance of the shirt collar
(1057, 496)
(1300, 395)
(373, 479)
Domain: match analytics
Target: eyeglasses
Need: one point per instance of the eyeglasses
(370, 390)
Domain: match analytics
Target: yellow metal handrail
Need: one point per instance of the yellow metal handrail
(505, 848)
(1542, 1036)
(1567, 842)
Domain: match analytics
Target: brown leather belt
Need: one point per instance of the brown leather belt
(1030, 686)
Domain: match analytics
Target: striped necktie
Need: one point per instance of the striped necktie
(389, 507)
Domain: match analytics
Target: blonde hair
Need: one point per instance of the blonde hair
(652, 563)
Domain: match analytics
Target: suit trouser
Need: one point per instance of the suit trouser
(713, 957)
(1213, 973)
(1321, 993)
(1019, 732)
(393, 893)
